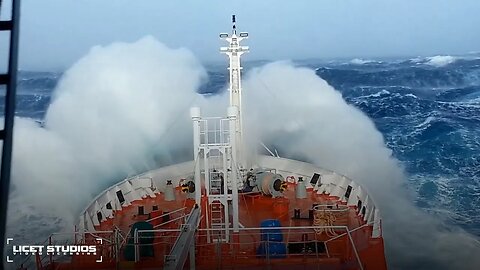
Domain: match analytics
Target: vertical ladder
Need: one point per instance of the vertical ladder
(216, 172)
(218, 222)
(215, 146)
(9, 80)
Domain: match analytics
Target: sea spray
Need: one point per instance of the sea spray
(298, 113)
(113, 114)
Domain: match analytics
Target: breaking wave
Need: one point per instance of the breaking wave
(331, 133)
(418, 124)
(109, 116)
(358, 61)
(440, 60)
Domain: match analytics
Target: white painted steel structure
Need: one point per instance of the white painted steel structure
(234, 51)
(215, 152)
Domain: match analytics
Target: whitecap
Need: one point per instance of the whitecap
(383, 92)
(440, 60)
(358, 61)
(416, 60)
(426, 122)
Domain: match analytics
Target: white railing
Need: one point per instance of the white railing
(319, 244)
(214, 131)
(166, 214)
(294, 236)
(337, 185)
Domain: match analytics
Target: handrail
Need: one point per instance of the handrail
(340, 208)
(257, 228)
(97, 236)
(296, 231)
(138, 176)
(347, 232)
(124, 241)
(354, 230)
(144, 174)
(355, 250)
(169, 213)
(79, 232)
(329, 171)
(170, 221)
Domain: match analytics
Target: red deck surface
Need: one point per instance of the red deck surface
(241, 251)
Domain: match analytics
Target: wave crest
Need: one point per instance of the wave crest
(440, 60)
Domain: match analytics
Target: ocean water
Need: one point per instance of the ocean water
(428, 110)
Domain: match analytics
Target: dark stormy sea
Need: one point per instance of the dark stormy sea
(427, 108)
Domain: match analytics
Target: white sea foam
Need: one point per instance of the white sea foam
(358, 61)
(383, 92)
(417, 59)
(112, 114)
(436, 61)
(338, 136)
(427, 121)
(440, 60)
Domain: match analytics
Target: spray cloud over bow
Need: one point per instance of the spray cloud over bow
(113, 114)
(298, 113)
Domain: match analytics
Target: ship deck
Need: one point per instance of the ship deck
(343, 242)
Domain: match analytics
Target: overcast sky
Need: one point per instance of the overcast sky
(55, 33)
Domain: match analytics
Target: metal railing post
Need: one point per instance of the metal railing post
(135, 242)
(75, 235)
(116, 247)
(355, 250)
(267, 250)
(218, 253)
(50, 243)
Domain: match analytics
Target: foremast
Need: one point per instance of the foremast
(219, 151)
(234, 51)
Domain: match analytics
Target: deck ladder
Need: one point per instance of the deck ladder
(216, 149)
